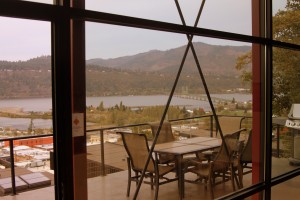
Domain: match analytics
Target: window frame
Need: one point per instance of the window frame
(60, 17)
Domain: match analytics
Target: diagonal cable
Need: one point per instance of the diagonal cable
(189, 37)
(167, 106)
(162, 120)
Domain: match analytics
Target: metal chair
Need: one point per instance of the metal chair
(230, 124)
(137, 149)
(243, 160)
(219, 166)
(165, 135)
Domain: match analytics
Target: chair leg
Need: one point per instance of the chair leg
(129, 177)
(237, 180)
(232, 179)
(205, 183)
(151, 180)
(156, 186)
(129, 182)
(240, 174)
(210, 182)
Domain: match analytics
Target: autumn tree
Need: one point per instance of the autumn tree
(286, 70)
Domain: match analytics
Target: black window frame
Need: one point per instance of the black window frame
(60, 17)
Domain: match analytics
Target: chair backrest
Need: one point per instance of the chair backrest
(165, 135)
(230, 124)
(223, 159)
(246, 155)
(137, 149)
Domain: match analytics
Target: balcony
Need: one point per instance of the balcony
(108, 172)
(105, 187)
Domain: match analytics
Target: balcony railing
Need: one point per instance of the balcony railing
(12, 160)
(212, 129)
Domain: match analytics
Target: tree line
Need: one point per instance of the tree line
(123, 115)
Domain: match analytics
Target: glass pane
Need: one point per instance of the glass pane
(286, 21)
(116, 41)
(26, 100)
(41, 1)
(125, 85)
(155, 10)
(285, 94)
(218, 15)
(130, 73)
(288, 189)
(230, 16)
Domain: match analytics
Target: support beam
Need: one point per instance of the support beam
(78, 104)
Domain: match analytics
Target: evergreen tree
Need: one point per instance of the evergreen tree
(101, 106)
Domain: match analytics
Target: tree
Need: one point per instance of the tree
(286, 90)
(286, 28)
(31, 125)
(101, 106)
(243, 64)
(233, 100)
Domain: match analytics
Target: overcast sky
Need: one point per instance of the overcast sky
(24, 39)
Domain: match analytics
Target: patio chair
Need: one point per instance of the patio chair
(230, 124)
(243, 160)
(165, 135)
(137, 149)
(219, 166)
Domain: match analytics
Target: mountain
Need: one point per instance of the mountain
(38, 63)
(147, 73)
(212, 58)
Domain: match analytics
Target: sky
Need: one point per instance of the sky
(24, 39)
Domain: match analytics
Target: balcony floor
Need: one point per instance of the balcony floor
(113, 187)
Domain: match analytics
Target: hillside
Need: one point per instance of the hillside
(146, 73)
(213, 59)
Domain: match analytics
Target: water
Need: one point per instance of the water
(237, 97)
(155, 100)
(45, 105)
(36, 105)
(23, 123)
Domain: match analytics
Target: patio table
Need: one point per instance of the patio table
(184, 147)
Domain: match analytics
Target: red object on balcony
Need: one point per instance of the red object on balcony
(31, 142)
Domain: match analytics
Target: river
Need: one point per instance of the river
(44, 105)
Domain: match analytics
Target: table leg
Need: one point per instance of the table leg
(180, 176)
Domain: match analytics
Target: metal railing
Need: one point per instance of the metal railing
(101, 133)
(11, 152)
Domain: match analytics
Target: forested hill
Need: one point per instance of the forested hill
(142, 74)
(39, 63)
(213, 59)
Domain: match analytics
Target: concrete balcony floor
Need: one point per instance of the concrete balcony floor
(114, 186)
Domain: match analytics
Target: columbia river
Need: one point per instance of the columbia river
(45, 105)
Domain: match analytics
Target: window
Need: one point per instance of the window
(119, 31)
